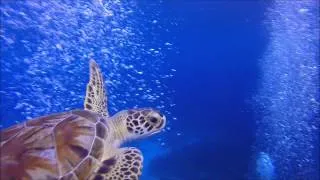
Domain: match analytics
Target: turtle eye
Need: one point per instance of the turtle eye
(153, 120)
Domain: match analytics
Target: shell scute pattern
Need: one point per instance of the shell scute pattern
(29, 147)
(70, 176)
(93, 117)
(10, 132)
(85, 142)
(85, 168)
(73, 137)
(58, 145)
(97, 149)
(101, 131)
(49, 120)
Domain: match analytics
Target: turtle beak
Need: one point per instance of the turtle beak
(163, 122)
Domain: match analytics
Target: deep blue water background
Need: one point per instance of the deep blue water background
(217, 73)
(217, 47)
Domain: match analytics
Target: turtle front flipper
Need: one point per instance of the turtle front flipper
(126, 165)
(96, 99)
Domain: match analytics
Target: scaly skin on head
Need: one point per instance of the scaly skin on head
(132, 124)
(137, 123)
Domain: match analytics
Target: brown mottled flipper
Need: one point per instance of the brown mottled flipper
(96, 99)
(126, 165)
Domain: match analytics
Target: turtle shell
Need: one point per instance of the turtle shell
(59, 146)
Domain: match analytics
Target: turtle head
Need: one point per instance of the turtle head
(142, 122)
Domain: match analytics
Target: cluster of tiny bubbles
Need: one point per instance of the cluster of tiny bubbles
(49, 71)
(264, 167)
(288, 126)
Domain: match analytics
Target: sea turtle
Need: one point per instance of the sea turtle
(79, 144)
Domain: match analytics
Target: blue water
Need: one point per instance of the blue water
(237, 80)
